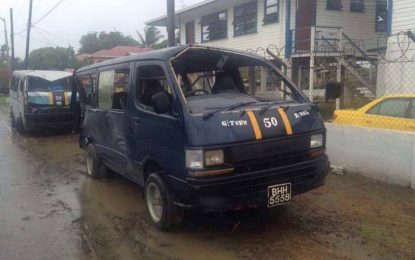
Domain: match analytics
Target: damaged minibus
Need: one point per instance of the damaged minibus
(201, 128)
(41, 99)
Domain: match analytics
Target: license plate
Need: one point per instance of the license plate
(279, 194)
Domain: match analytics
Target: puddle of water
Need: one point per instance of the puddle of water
(115, 215)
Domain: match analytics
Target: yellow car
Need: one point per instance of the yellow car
(389, 112)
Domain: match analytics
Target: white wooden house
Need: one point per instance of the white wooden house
(310, 35)
(396, 73)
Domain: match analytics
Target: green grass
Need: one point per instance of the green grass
(2, 99)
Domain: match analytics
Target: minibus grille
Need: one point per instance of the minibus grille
(296, 175)
(270, 162)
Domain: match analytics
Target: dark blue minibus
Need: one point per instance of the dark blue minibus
(201, 128)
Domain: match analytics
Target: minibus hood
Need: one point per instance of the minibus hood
(249, 124)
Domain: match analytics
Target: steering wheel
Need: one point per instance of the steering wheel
(193, 92)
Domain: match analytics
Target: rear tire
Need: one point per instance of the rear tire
(20, 126)
(12, 119)
(95, 168)
(163, 213)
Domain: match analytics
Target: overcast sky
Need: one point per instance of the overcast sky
(73, 18)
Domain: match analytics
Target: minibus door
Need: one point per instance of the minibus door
(154, 136)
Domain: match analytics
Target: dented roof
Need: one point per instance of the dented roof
(162, 55)
(49, 75)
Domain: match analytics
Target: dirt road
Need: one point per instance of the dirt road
(49, 209)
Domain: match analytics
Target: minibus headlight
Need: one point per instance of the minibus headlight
(194, 159)
(214, 157)
(316, 141)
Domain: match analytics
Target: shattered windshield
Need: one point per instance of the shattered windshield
(37, 84)
(212, 80)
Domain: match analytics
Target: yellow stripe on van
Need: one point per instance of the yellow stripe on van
(255, 126)
(50, 98)
(67, 98)
(287, 123)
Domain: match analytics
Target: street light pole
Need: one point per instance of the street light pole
(12, 37)
(170, 23)
(29, 26)
(6, 37)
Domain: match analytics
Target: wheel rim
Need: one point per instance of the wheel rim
(154, 201)
(89, 163)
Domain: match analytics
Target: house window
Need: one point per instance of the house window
(334, 5)
(214, 26)
(381, 16)
(357, 6)
(245, 21)
(272, 8)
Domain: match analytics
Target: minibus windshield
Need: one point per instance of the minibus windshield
(37, 84)
(213, 80)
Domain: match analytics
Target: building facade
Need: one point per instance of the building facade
(312, 36)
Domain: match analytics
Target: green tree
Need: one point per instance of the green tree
(52, 58)
(163, 44)
(150, 37)
(95, 41)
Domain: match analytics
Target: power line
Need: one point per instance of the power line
(41, 18)
(47, 13)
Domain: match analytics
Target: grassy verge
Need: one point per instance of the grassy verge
(3, 99)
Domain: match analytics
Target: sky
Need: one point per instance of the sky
(66, 24)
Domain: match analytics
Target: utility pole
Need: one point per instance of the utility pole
(6, 37)
(12, 37)
(170, 23)
(29, 26)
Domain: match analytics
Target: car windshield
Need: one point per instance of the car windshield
(213, 80)
(37, 84)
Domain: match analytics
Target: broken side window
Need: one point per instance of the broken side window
(88, 89)
(120, 91)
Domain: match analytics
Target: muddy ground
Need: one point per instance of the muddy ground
(49, 209)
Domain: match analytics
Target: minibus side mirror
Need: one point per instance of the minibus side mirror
(161, 103)
(333, 90)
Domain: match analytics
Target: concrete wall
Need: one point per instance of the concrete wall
(385, 155)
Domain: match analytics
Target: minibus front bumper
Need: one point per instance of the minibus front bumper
(249, 189)
(58, 119)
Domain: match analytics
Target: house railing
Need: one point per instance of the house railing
(332, 42)
(316, 39)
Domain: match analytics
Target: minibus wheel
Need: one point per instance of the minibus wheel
(163, 213)
(12, 120)
(94, 166)
(20, 126)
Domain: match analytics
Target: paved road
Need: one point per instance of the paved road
(49, 209)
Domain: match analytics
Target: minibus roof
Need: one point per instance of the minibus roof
(49, 75)
(163, 54)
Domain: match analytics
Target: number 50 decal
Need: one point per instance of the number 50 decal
(270, 122)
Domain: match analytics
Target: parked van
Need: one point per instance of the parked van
(201, 128)
(40, 99)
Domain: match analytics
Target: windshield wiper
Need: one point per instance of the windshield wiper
(270, 105)
(237, 105)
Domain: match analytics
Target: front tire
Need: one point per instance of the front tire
(163, 213)
(95, 168)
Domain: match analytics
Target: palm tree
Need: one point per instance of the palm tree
(150, 37)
